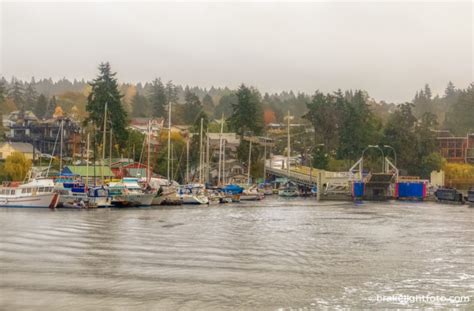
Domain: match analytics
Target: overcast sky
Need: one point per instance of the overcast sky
(389, 49)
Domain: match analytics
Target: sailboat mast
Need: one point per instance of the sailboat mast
(289, 146)
(220, 151)
(186, 179)
(250, 162)
(223, 161)
(148, 170)
(169, 140)
(61, 147)
(201, 158)
(104, 142)
(110, 149)
(207, 156)
(87, 162)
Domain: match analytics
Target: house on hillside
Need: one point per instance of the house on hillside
(7, 148)
(456, 149)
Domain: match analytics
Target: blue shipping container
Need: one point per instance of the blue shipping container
(411, 190)
(358, 189)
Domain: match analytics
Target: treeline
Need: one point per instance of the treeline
(453, 109)
(344, 123)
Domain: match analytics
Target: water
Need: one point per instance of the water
(283, 254)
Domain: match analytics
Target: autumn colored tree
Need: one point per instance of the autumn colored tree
(17, 166)
(269, 116)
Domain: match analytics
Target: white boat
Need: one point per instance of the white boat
(129, 193)
(251, 194)
(266, 189)
(193, 194)
(289, 190)
(167, 192)
(35, 193)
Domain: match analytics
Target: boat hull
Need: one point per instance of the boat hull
(46, 200)
(193, 199)
(145, 199)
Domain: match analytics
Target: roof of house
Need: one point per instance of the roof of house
(230, 138)
(20, 147)
(81, 170)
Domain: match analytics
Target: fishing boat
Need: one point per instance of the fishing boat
(193, 194)
(34, 193)
(449, 195)
(129, 193)
(288, 190)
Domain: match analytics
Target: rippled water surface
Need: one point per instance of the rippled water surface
(283, 253)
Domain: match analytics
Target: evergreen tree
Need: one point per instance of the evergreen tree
(41, 106)
(359, 126)
(208, 103)
(460, 118)
(193, 109)
(325, 117)
(247, 113)
(50, 108)
(30, 97)
(17, 94)
(171, 92)
(140, 106)
(105, 90)
(225, 105)
(158, 99)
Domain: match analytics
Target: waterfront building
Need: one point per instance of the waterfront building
(456, 149)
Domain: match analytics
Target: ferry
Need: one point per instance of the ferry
(35, 193)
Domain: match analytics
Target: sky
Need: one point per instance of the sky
(390, 49)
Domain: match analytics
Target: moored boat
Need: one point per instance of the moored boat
(251, 194)
(35, 193)
(193, 194)
(265, 188)
(129, 193)
(470, 197)
(288, 190)
(449, 195)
